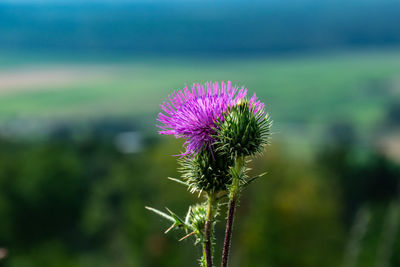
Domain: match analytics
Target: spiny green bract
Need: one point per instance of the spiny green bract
(243, 131)
(206, 172)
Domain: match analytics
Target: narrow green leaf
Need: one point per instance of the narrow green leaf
(162, 214)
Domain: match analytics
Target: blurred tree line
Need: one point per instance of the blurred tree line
(198, 27)
(77, 200)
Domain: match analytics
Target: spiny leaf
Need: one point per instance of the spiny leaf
(162, 214)
(177, 219)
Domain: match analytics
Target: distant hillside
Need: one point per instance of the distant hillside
(199, 27)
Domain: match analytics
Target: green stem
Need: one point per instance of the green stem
(208, 231)
(233, 196)
(203, 258)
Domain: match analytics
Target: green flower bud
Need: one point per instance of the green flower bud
(197, 218)
(243, 131)
(206, 171)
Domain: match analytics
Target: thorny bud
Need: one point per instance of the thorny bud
(243, 131)
(206, 172)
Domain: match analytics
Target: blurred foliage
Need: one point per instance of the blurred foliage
(289, 217)
(80, 203)
(68, 201)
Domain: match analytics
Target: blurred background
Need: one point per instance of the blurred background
(80, 88)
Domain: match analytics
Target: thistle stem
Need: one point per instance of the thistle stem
(208, 231)
(233, 195)
(228, 231)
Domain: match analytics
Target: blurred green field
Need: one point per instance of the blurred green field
(313, 90)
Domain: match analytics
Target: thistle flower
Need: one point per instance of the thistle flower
(221, 127)
(192, 114)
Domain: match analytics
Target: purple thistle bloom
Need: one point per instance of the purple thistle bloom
(257, 106)
(192, 114)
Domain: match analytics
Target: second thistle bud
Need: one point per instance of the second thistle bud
(243, 131)
(206, 171)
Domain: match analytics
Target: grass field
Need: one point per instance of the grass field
(300, 91)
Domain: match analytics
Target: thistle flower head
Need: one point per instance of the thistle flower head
(196, 218)
(206, 172)
(192, 113)
(244, 129)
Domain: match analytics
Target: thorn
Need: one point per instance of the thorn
(169, 211)
(170, 228)
(186, 236)
(176, 180)
(188, 215)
